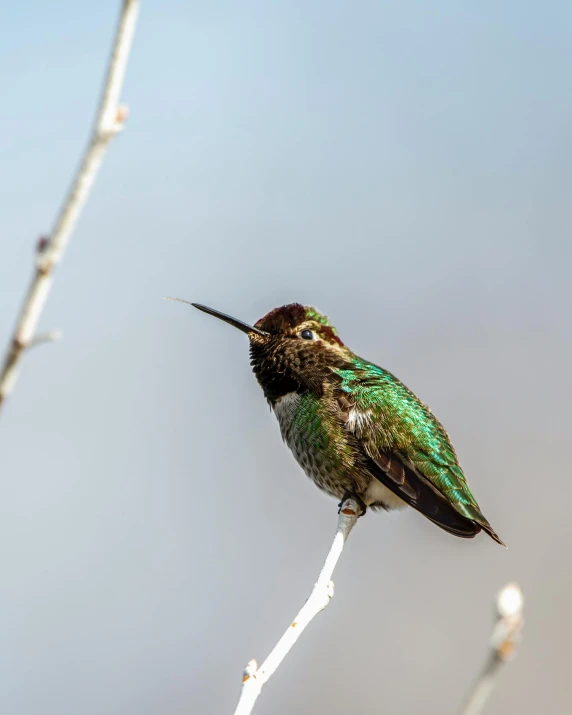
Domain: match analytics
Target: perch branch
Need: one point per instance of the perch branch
(108, 122)
(504, 640)
(255, 677)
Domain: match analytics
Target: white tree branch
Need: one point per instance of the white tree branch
(40, 338)
(504, 640)
(108, 122)
(254, 678)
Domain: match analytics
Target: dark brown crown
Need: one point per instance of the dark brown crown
(288, 317)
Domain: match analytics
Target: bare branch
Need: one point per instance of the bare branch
(40, 338)
(108, 122)
(254, 678)
(504, 640)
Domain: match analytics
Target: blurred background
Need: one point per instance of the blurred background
(405, 167)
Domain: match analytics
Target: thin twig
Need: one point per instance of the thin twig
(51, 336)
(504, 640)
(108, 122)
(254, 678)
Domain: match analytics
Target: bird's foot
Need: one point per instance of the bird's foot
(352, 495)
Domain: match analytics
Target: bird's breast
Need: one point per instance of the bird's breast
(305, 432)
(285, 407)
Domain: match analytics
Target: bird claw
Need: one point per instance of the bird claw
(352, 495)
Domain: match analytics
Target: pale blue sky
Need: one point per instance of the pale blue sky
(404, 166)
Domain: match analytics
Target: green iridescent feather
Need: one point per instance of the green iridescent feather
(313, 314)
(398, 421)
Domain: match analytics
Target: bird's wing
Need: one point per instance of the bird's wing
(409, 449)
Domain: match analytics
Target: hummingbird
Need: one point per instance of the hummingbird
(353, 427)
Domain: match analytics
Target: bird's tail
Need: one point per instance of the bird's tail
(460, 519)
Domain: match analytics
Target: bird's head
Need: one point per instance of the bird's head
(292, 349)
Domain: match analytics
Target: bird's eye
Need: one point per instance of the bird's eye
(307, 335)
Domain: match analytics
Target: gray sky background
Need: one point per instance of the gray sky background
(405, 167)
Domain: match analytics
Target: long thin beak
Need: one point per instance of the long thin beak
(244, 327)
